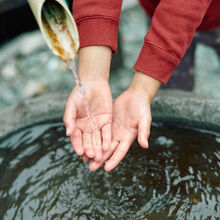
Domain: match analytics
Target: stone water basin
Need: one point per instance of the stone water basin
(178, 177)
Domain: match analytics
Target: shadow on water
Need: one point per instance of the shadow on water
(177, 178)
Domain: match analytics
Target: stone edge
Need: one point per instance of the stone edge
(184, 108)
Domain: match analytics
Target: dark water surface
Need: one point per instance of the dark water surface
(177, 178)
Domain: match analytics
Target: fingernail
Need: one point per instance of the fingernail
(68, 131)
(80, 152)
(107, 167)
(147, 144)
(92, 167)
(90, 153)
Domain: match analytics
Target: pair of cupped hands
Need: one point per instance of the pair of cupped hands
(117, 123)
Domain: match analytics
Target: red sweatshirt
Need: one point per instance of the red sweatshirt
(174, 23)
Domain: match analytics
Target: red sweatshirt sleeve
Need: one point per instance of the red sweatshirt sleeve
(173, 26)
(97, 22)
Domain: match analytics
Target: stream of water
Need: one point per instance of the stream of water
(82, 94)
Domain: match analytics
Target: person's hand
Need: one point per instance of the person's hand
(90, 135)
(88, 119)
(131, 118)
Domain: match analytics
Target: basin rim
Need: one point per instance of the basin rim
(169, 106)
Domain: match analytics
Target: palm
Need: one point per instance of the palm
(92, 116)
(99, 103)
(131, 118)
(128, 111)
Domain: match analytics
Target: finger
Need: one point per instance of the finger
(87, 144)
(144, 131)
(76, 140)
(106, 137)
(118, 155)
(94, 165)
(85, 158)
(69, 116)
(96, 142)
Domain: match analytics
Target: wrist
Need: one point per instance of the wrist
(145, 85)
(94, 63)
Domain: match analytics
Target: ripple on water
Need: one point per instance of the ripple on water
(177, 178)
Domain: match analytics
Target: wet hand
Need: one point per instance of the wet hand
(90, 134)
(131, 119)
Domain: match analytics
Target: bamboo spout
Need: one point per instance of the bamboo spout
(57, 26)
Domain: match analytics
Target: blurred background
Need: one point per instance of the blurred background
(29, 69)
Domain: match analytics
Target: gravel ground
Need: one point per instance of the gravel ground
(29, 69)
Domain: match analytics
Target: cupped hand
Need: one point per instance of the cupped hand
(131, 118)
(90, 133)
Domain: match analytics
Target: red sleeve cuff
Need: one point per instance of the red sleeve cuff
(98, 31)
(156, 62)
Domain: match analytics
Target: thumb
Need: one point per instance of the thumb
(69, 116)
(144, 131)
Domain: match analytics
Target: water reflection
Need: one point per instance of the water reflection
(177, 178)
